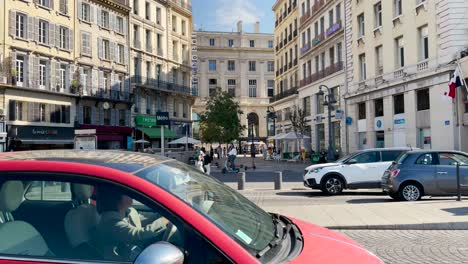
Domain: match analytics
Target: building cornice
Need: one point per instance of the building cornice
(119, 5)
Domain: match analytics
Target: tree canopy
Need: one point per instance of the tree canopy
(220, 122)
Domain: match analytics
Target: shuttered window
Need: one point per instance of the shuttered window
(86, 43)
(63, 8)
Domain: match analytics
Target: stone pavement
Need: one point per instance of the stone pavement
(364, 210)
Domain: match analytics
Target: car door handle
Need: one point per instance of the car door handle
(442, 172)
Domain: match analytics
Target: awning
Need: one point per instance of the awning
(155, 133)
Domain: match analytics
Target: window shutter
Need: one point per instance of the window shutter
(12, 25)
(125, 55)
(82, 81)
(127, 118)
(112, 82)
(71, 39)
(30, 28)
(36, 29)
(83, 48)
(113, 117)
(98, 16)
(101, 80)
(91, 13)
(99, 48)
(94, 116)
(79, 7)
(51, 34)
(127, 85)
(95, 79)
(80, 114)
(51, 4)
(125, 26)
(56, 82)
(112, 21)
(57, 36)
(13, 60)
(116, 52)
(33, 71)
(111, 50)
(71, 76)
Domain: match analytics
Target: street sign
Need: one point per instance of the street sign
(146, 121)
(162, 119)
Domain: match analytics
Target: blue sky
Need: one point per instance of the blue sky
(222, 15)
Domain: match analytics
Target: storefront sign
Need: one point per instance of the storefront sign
(146, 121)
(36, 132)
(399, 121)
(194, 64)
(379, 124)
(162, 118)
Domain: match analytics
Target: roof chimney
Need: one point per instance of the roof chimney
(239, 26)
(257, 27)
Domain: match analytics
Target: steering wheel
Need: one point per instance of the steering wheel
(170, 230)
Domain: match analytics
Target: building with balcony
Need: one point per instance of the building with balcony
(400, 56)
(242, 64)
(102, 75)
(37, 100)
(286, 61)
(321, 63)
(160, 40)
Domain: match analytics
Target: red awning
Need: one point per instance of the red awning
(110, 138)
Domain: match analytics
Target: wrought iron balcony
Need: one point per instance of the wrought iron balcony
(282, 95)
(160, 85)
(107, 94)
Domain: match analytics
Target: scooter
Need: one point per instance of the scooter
(229, 169)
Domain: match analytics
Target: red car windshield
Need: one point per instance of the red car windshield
(237, 216)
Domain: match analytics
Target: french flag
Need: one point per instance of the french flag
(454, 83)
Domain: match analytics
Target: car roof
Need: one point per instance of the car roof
(384, 149)
(121, 160)
(435, 151)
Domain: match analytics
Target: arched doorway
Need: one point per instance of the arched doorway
(253, 125)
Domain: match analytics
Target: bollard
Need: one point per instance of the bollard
(278, 180)
(241, 181)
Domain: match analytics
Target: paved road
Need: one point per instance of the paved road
(413, 246)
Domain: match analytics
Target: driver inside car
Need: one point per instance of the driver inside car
(122, 232)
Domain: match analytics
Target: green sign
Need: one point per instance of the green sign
(146, 121)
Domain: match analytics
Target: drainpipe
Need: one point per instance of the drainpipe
(346, 76)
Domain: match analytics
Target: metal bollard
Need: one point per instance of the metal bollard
(241, 181)
(278, 180)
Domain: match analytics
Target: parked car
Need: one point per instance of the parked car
(360, 170)
(419, 173)
(121, 207)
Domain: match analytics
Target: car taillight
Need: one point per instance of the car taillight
(395, 172)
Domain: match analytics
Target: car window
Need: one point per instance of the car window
(452, 159)
(368, 157)
(115, 227)
(425, 159)
(390, 155)
(48, 191)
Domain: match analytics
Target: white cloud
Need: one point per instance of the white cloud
(228, 12)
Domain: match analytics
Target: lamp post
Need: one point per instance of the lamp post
(271, 115)
(329, 101)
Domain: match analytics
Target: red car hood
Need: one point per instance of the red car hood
(322, 245)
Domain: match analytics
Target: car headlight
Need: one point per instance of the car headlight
(316, 170)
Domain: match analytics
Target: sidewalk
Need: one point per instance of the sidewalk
(370, 213)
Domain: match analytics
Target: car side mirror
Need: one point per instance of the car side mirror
(351, 161)
(161, 253)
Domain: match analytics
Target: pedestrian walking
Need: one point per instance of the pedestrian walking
(224, 152)
(207, 159)
(220, 152)
(201, 155)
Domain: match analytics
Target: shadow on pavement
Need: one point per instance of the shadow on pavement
(321, 194)
(371, 200)
(461, 211)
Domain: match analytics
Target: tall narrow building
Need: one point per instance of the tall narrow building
(321, 70)
(160, 41)
(285, 98)
(242, 64)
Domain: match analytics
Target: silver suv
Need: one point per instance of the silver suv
(419, 173)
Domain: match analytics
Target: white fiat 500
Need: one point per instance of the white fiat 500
(360, 170)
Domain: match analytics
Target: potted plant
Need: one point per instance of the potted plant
(75, 86)
(13, 77)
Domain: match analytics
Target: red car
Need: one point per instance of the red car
(70, 206)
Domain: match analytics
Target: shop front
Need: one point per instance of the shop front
(150, 132)
(112, 137)
(40, 137)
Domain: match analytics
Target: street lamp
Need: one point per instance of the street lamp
(329, 101)
(271, 114)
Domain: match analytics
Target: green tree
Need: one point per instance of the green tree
(220, 122)
(298, 122)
